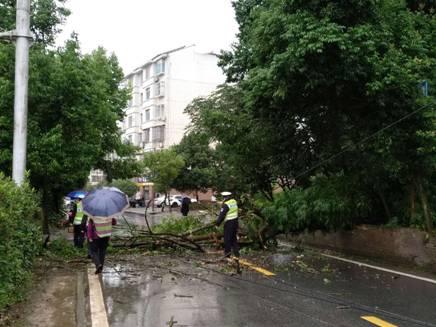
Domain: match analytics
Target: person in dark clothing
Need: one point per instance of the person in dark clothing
(184, 208)
(229, 214)
(99, 231)
(78, 219)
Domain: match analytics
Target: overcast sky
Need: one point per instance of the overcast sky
(137, 30)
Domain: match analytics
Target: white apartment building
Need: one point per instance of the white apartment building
(161, 90)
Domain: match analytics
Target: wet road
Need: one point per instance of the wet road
(308, 290)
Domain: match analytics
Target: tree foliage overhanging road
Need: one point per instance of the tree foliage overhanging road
(311, 79)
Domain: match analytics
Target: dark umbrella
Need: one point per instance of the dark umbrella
(78, 194)
(105, 202)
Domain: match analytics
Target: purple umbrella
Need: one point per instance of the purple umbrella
(105, 202)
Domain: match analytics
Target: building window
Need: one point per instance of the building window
(130, 138)
(159, 89)
(147, 72)
(147, 115)
(146, 135)
(130, 121)
(142, 117)
(158, 134)
(159, 111)
(129, 103)
(142, 98)
(147, 93)
(159, 67)
(139, 79)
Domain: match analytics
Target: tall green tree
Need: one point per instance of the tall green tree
(198, 174)
(162, 167)
(315, 78)
(74, 104)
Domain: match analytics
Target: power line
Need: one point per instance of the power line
(348, 147)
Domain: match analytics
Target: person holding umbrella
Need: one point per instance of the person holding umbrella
(102, 205)
(99, 233)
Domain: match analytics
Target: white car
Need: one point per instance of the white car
(173, 200)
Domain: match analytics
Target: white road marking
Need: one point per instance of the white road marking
(429, 280)
(98, 310)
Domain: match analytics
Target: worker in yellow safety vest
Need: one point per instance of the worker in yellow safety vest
(78, 219)
(229, 214)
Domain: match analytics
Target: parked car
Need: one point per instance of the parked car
(173, 200)
(136, 202)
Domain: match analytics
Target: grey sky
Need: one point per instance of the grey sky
(136, 30)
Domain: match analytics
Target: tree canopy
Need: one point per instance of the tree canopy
(74, 104)
(330, 88)
(162, 167)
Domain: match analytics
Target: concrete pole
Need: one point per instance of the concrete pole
(23, 39)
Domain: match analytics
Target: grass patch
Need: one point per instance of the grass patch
(62, 249)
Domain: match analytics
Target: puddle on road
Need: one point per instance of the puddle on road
(139, 295)
(160, 291)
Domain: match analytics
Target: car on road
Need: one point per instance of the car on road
(134, 203)
(173, 200)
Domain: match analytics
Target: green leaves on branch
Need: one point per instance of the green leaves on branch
(162, 167)
(74, 104)
(311, 79)
(20, 238)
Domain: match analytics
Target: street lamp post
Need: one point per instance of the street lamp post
(23, 38)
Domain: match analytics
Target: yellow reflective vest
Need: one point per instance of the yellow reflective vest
(79, 214)
(233, 210)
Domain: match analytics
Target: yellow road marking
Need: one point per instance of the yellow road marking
(254, 267)
(378, 322)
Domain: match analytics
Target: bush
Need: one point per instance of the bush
(63, 249)
(20, 238)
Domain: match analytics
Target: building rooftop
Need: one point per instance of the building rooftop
(162, 54)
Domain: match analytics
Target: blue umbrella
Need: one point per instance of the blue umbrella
(105, 202)
(78, 194)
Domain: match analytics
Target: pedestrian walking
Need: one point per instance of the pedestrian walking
(184, 208)
(102, 205)
(229, 214)
(78, 219)
(99, 232)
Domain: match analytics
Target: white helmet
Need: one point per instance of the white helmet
(226, 193)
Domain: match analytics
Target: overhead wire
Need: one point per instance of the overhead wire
(348, 147)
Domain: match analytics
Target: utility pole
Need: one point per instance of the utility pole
(23, 39)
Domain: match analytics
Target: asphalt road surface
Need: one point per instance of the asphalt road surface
(307, 290)
(191, 289)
